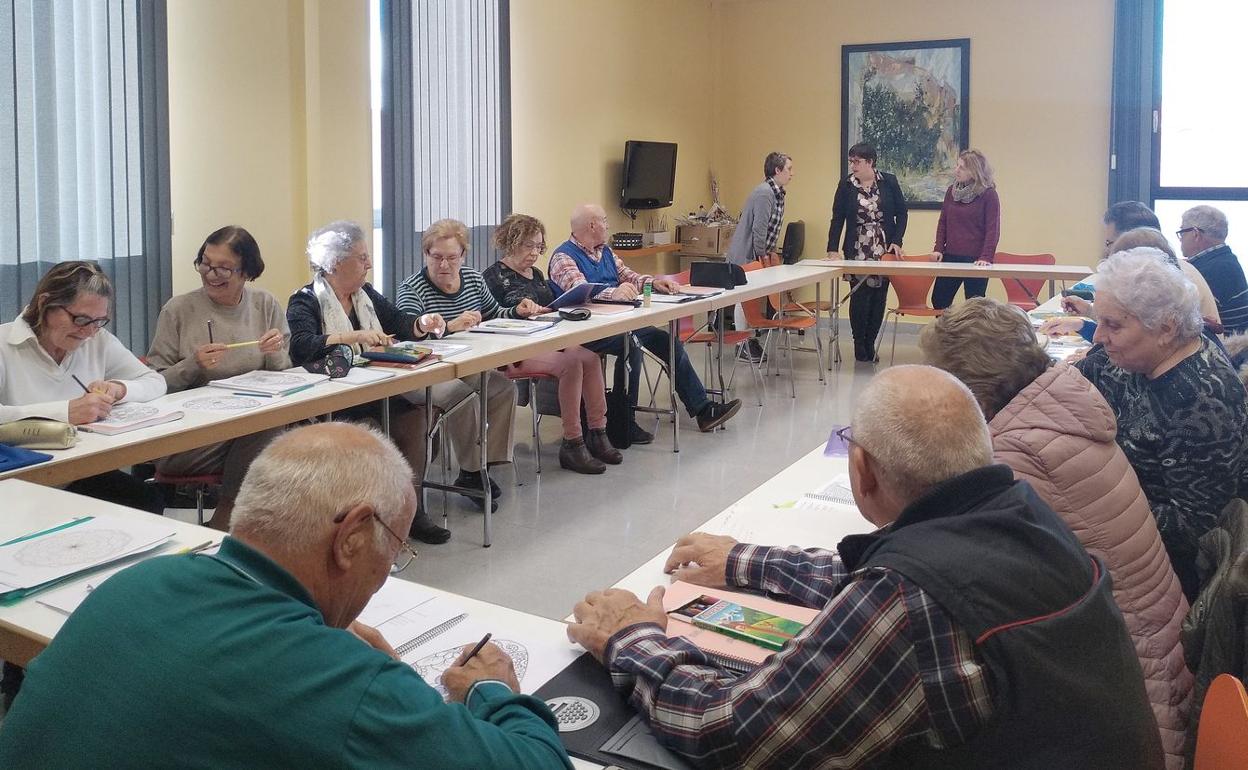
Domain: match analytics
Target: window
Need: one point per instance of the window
(1198, 152)
(445, 125)
(84, 163)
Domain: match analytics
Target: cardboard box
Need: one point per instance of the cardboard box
(704, 239)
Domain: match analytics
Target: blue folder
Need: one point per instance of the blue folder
(13, 457)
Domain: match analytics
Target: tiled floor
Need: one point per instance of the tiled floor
(562, 534)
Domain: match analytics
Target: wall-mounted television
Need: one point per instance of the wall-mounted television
(649, 175)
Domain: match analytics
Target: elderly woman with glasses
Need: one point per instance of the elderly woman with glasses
(191, 347)
(1181, 410)
(458, 293)
(340, 308)
(1057, 433)
(58, 362)
(513, 279)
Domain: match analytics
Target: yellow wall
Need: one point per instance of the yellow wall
(269, 126)
(1039, 106)
(586, 76)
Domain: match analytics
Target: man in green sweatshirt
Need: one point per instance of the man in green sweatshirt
(251, 657)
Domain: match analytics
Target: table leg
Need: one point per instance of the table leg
(834, 318)
(483, 397)
(719, 353)
(385, 416)
(818, 300)
(424, 476)
(672, 336)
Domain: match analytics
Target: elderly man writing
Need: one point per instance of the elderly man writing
(587, 257)
(970, 630)
(251, 657)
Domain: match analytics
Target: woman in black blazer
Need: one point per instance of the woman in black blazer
(871, 208)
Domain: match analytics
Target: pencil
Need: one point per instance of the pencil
(476, 649)
(85, 389)
(197, 548)
(242, 344)
(210, 340)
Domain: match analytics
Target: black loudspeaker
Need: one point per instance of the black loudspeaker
(794, 242)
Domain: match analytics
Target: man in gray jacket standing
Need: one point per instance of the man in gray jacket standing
(759, 229)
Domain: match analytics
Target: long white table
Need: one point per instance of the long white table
(846, 267)
(97, 454)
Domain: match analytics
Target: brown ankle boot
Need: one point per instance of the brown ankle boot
(600, 447)
(573, 456)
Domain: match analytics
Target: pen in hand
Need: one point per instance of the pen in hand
(476, 649)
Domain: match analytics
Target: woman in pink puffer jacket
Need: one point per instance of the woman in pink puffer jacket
(1056, 432)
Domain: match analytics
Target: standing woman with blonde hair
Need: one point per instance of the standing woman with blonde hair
(969, 226)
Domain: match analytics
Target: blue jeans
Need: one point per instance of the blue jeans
(689, 388)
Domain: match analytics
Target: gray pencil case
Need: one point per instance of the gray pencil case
(39, 433)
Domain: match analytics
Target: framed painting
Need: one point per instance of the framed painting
(909, 101)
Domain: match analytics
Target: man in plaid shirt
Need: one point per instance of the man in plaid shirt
(971, 630)
(758, 232)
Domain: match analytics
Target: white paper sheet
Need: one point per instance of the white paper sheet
(93, 543)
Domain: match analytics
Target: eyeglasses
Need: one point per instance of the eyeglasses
(1186, 230)
(531, 245)
(448, 259)
(83, 321)
(406, 555)
(213, 270)
(846, 434)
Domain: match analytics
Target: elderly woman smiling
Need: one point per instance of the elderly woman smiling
(190, 348)
(1180, 408)
(340, 307)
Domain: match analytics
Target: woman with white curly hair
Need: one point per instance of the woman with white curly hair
(1180, 408)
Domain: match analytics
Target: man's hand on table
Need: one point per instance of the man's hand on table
(602, 613)
(490, 663)
(701, 559)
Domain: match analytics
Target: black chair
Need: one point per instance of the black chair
(794, 242)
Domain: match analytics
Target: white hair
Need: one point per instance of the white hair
(922, 426)
(1152, 289)
(1208, 220)
(583, 214)
(304, 478)
(331, 244)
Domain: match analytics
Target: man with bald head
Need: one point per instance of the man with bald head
(586, 257)
(969, 630)
(251, 657)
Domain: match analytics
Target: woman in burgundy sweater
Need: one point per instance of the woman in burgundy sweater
(969, 227)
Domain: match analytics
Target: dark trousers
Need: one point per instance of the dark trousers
(121, 488)
(866, 315)
(945, 288)
(689, 388)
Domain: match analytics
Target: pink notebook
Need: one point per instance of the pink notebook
(732, 653)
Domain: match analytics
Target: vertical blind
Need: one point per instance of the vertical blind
(446, 125)
(84, 164)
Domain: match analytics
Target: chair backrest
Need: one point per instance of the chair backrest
(794, 242)
(754, 310)
(912, 290)
(1014, 287)
(1222, 738)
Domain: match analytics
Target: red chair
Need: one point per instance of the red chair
(1222, 738)
(200, 482)
(1023, 292)
(756, 317)
(912, 295)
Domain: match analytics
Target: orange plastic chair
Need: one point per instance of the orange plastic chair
(1222, 738)
(756, 317)
(1024, 293)
(912, 295)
